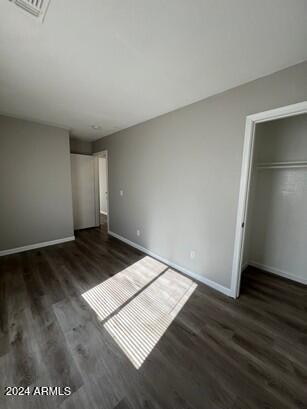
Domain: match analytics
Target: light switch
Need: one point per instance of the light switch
(192, 254)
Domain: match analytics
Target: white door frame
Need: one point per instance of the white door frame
(246, 170)
(104, 154)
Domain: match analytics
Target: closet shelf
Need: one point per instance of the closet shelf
(281, 165)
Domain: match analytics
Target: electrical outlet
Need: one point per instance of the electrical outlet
(138, 233)
(192, 254)
(121, 192)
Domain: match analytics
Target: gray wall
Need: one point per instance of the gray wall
(80, 146)
(35, 184)
(180, 174)
(277, 226)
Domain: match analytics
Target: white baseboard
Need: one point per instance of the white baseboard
(204, 280)
(278, 272)
(244, 266)
(35, 246)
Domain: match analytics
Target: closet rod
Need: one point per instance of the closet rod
(282, 165)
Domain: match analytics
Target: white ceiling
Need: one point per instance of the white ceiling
(116, 63)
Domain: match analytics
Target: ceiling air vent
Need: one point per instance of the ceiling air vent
(37, 8)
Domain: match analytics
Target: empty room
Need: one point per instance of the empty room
(153, 197)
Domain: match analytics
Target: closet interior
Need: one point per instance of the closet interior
(276, 235)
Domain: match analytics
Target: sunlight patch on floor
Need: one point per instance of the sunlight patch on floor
(139, 325)
(107, 297)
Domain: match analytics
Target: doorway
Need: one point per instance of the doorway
(247, 172)
(102, 189)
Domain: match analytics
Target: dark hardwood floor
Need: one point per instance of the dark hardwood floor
(249, 353)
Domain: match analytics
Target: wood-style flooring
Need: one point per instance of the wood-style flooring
(217, 353)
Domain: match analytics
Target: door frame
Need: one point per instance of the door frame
(246, 172)
(97, 155)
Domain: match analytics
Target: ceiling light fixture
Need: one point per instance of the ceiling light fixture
(96, 127)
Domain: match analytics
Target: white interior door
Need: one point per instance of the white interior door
(83, 191)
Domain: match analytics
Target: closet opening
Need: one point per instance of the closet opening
(271, 235)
